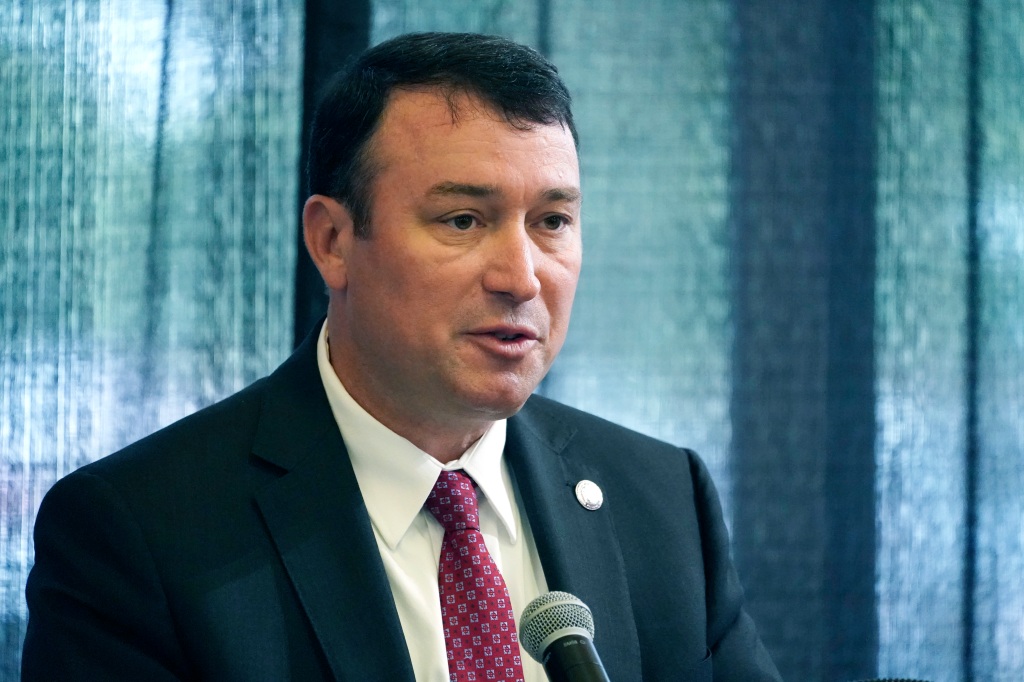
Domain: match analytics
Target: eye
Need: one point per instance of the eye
(555, 222)
(462, 222)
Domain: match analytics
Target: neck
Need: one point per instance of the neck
(443, 439)
(442, 442)
(442, 447)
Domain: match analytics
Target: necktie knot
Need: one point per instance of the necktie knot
(452, 501)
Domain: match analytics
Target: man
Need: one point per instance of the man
(295, 530)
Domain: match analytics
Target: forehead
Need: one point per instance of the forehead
(428, 126)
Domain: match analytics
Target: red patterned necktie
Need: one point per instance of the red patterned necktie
(476, 611)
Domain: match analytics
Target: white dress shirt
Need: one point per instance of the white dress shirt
(395, 477)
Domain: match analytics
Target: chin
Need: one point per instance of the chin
(501, 405)
(500, 409)
(501, 396)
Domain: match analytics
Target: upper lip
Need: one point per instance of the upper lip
(508, 330)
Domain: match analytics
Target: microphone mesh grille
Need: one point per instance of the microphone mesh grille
(548, 614)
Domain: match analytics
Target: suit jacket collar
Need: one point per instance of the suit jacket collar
(316, 518)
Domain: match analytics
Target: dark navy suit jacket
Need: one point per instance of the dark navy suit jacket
(235, 545)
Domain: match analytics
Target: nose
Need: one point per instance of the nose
(511, 269)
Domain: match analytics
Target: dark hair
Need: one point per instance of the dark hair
(518, 82)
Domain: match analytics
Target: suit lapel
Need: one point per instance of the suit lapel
(315, 515)
(577, 547)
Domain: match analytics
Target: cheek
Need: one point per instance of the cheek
(426, 298)
(563, 287)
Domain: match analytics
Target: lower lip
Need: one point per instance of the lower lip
(512, 349)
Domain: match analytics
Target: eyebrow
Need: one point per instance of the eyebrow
(568, 194)
(464, 189)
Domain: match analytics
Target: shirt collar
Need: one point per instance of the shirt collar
(395, 476)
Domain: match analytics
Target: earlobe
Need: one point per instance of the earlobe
(328, 231)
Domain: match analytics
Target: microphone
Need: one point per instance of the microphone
(557, 630)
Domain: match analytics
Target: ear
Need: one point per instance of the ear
(328, 231)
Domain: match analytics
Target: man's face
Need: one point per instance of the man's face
(457, 303)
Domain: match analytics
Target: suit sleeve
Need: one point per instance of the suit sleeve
(738, 654)
(97, 609)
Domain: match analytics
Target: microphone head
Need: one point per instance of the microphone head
(550, 616)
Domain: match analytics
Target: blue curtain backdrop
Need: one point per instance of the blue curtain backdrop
(804, 257)
(148, 155)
